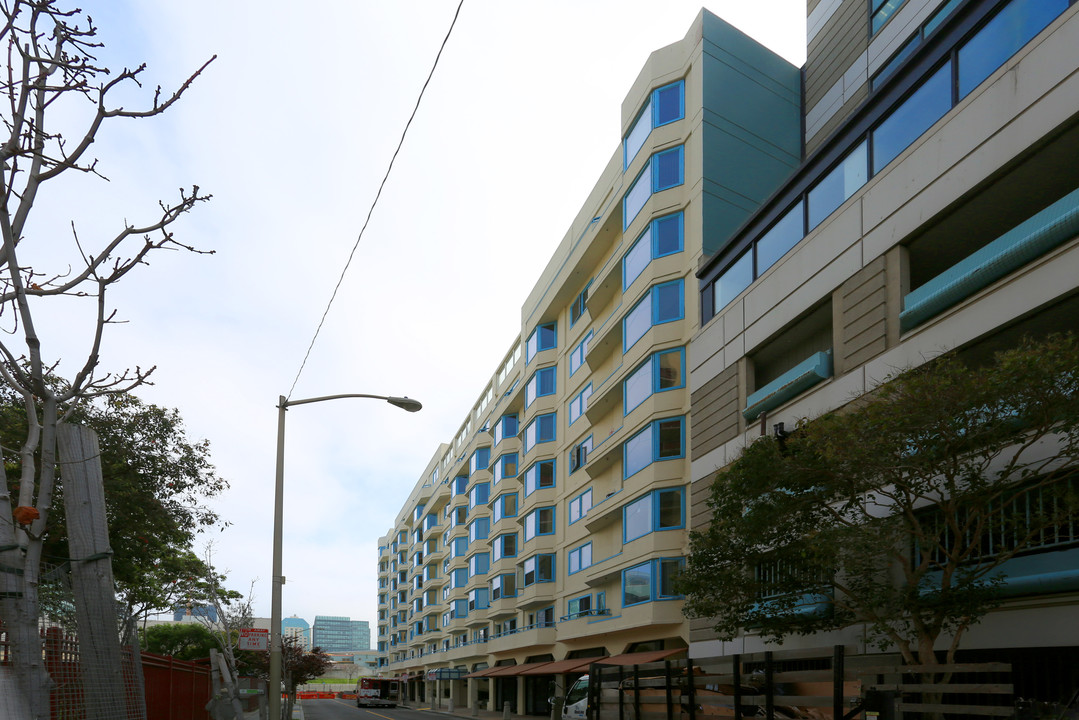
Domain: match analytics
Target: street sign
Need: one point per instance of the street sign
(254, 639)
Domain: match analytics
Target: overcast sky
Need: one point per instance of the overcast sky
(291, 130)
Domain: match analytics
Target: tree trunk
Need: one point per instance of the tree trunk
(100, 657)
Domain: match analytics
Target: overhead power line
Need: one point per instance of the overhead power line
(374, 202)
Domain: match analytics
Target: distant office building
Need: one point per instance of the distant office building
(298, 628)
(337, 634)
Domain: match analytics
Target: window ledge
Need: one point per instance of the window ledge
(795, 381)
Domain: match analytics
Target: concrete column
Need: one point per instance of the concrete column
(520, 695)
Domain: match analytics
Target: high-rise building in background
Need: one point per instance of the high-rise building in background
(298, 628)
(361, 635)
(340, 634)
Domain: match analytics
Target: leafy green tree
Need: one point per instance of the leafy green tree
(157, 482)
(183, 641)
(899, 510)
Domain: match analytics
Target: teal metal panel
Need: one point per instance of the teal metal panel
(1030, 239)
(795, 381)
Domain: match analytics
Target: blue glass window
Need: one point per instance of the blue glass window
(540, 430)
(665, 169)
(664, 370)
(540, 475)
(505, 506)
(459, 547)
(917, 113)
(659, 440)
(664, 303)
(578, 455)
(505, 467)
(880, 11)
(780, 238)
(733, 281)
(580, 304)
(580, 505)
(651, 580)
(1012, 28)
(459, 578)
(480, 495)
(505, 546)
(542, 338)
(576, 358)
(460, 609)
(538, 568)
(506, 427)
(539, 522)
(460, 485)
(579, 558)
(833, 189)
(658, 510)
(579, 403)
(541, 383)
(664, 105)
(479, 564)
(478, 599)
(503, 586)
(663, 236)
(479, 529)
(480, 459)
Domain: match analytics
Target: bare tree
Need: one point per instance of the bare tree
(51, 71)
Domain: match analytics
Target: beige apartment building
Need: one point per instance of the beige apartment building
(549, 529)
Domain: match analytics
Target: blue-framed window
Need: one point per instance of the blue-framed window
(504, 546)
(505, 467)
(576, 358)
(505, 427)
(651, 580)
(480, 459)
(540, 430)
(459, 609)
(662, 371)
(544, 337)
(479, 564)
(505, 506)
(579, 306)
(580, 505)
(479, 495)
(460, 485)
(539, 522)
(458, 516)
(880, 11)
(538, 476)
(1010, 29)
(417, 513)
(663, 303)
(503, 586)
(479, 529)
(478, 599)
(579, 403)
(578, 607)
(665, 169)
(664, 105)
(663, 236)
(538, 569)
(430, 521)
(541, 383)
(663, 509)
(578, 454)
(459, 547)
(579, 558)
(659, 440)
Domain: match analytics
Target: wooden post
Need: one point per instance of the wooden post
(100, 656)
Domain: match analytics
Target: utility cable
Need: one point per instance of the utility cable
(374, 202)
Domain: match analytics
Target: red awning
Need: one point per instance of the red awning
(482, 673)
(558, 667)
(638, 658)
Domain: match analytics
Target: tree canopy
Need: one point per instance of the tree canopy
(183, 641)
(900, 510)
(157, 482)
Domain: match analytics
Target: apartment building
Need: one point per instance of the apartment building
(937, 208)
(549, 529)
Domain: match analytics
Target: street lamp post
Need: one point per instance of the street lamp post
(277, 579)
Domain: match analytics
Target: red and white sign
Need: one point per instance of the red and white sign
(254, 639)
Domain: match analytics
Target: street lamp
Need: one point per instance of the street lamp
(278, 580)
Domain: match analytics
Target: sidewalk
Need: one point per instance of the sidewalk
(468, 714)
(297, 713)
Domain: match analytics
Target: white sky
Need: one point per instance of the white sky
(291, 130)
